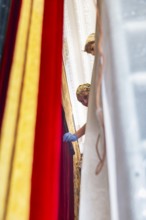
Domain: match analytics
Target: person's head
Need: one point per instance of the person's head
(82, 93)
(90, 44)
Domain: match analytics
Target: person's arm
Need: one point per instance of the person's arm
(81, 131)
(68, 137)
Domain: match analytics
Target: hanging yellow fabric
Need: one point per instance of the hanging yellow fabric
(18, 127)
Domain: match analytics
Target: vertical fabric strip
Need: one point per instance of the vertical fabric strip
(46, 165)
(20, 114)
(77, 157)
(12, 106)
(8, 50)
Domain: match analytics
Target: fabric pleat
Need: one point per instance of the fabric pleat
(44, 203)
(31, 117)
(66, 203)
(8, 50)
(18, 127)
(67, 107)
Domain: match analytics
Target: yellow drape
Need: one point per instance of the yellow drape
(18, 127)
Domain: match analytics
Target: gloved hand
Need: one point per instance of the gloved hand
(68, 137)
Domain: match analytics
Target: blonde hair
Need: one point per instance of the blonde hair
(90, 40)
(83, 88)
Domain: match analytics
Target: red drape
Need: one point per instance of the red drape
(44, 202)
(8, 50)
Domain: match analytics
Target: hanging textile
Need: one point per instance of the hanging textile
(94, 199)
(47, 146)
(77, 156)
(31, 125)
(17, 135)
(66, 204)
(8, 49)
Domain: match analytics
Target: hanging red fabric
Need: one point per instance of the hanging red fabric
(44, 200)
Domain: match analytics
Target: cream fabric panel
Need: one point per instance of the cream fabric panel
(94, 195)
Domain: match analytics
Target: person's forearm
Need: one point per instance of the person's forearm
(81, 131)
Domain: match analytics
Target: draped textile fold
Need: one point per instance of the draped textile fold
(66, 203)
(94, 195)
(18, 127)
(44, 202)
(30, 95)
(77, 156)
(8, 50)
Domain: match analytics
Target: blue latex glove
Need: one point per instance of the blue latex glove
(68, 137)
